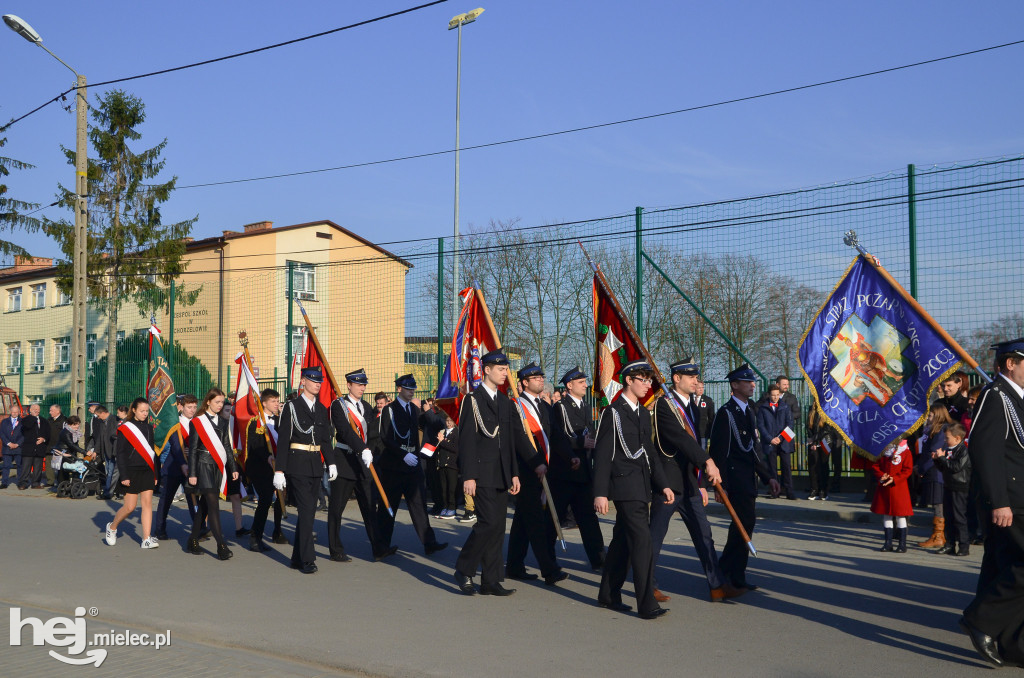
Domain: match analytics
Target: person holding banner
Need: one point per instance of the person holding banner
(136, 465)
(532, 525)
(352, 417)
(259, 463)
(775, 424)
(210, 463)
(174, 471)
(736, 449)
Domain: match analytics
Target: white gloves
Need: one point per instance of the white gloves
(279, 482)
(411, 459)
(332, 472)
(367, 457)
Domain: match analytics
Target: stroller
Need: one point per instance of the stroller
(80, 476)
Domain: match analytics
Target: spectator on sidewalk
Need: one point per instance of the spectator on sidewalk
(448, 468)
(821, 440)
(977, 514)
(955, 465)
(36, 432)
(11, 441)
(931, 477)
(954, 395)
(57, 421)
(892, 499)
(775, 423)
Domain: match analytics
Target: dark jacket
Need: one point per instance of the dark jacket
(956, 468)
(201, 462)
(430, 422)
(490, 461)
(616, 476)
(33, 428)
(127, 456)
(56, 431)
(257, 453)
(531, 455)
(447, 451)
(771, 424)
(957, 405)
(997, 447)
(705, 407)
(740, 469)
(290, 431)
(67, 444)
(105, 435)
(681, 454)
(11, 433)
(176, 457)
(399, 433)
(570, 426)
(349, 445)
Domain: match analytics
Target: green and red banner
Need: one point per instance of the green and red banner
(617, 345)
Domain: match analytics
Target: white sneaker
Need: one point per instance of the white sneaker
(178, 498)
(150, 543)
(111, 537)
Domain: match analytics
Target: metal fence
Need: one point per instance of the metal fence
(726, 281)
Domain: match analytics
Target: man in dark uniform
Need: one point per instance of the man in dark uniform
(624, 472)
(490, 472)
(677, 434)
(570, 470)
(531, 524)
(304, 447)
(352, 418)
(995, 618)
(36, 432)
(705, 407)
(259, 466)
(737, 452)
(400, 470)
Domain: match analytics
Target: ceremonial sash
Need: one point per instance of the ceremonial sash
(137, 440)
(272, 430)
(538, 431)
(212, 442)
(355, 418)
(687, 424)
(183, 432)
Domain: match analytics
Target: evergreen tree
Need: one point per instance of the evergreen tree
(12, 210)
(132, 253)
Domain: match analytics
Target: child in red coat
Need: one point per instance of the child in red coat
(892, 497)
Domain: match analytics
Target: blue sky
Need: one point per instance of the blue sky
(528, 67)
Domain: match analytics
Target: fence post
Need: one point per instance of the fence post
(640, 271)
(912, 228)
(21, 378)
(288, 333)
(440, 308)
(169, 357)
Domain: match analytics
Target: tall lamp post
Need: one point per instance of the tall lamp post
(458, 21)
(78, 293)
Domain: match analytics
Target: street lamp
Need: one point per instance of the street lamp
(458, 21)
(78, 293)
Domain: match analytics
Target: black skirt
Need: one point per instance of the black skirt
(208, 476)
(140, 480)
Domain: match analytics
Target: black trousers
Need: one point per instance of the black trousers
(432, 476)
(171, 483)
(483, 546)
(266, 496)
(817, 469)
(735, 554)
(305, 490)
(413, 488)
(580, 497)
(531, 527)
(691, 510)
(341, 491)
(977, 514)
(630, 547)
(774, 456)
(450, 488)
(29, 470)
(998, 607)
(954, 508)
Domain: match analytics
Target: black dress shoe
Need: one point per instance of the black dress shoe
(521, 575)
(465, 583)
(946, 548)
(654, 614)
(984, 644)
(294, 565)
(279, 538)
(258, 546)
(242, 532)
(309, 568)
(615, 607)
(341, 558)
(553, 579)
(977, 541)
(964, 550)
(223, 552)
(495, 590)
(386, 553)
(431, 549)
(193, 547)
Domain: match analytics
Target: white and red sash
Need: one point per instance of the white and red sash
(183, 432)
(533, 421)
(138, 440)
(355, 417)
(272, 430)
(211, 440)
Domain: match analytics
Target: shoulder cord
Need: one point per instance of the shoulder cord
(736, 434)
(295, 422)
(394, 427)
(1011, 413)
(480, 422)
(622, 441)
(565, 421)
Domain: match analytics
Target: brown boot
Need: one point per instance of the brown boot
(661, 597)
(938, 537)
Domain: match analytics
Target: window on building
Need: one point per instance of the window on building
(304, 281)
(32, 400)
(13, 299)
(39, 295)
(420, 358)
(13, 357)
(63, 298)
(35, 355)
(298, 343)
(120, 336)
(90, 349)
(62, 354)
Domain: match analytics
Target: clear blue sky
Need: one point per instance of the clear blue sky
(528, 67)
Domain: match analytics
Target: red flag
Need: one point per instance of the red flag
(245, 409)
(312, 358)
(473, 338)
(617, 345)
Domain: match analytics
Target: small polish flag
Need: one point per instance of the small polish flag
(787, 434)
(824, 446)
(428, 450)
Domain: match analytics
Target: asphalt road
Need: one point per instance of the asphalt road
(830, 605)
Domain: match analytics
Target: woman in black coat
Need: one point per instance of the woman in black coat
(205, 470)
(136, 466)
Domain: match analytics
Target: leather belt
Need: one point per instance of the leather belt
(305, 448)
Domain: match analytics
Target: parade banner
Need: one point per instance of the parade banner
(314, 358)
(160, 391)
(473, 337)
(872, 359)
(247, 392)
